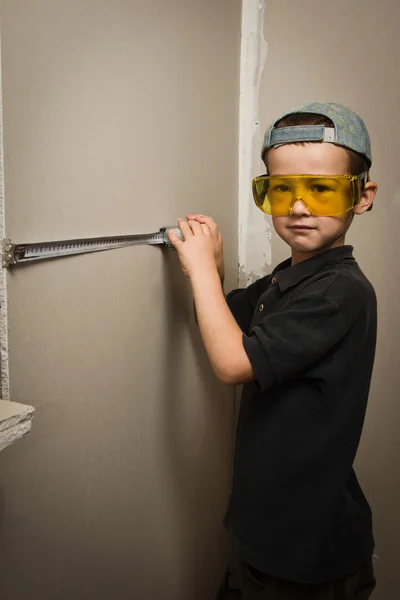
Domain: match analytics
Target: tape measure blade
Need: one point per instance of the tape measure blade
(47, 253)
(25, 253)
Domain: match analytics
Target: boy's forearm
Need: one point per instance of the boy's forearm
(221, 335)
(194, 303)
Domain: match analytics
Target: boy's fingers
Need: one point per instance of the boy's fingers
(185, 228)
(196, 227)
(206, 230)
(193, 216)
(202, 218)
(209, 221)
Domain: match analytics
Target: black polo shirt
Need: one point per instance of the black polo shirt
(297, 511)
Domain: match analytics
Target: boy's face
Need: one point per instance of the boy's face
(306, 234)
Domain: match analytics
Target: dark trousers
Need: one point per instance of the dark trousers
(259, 586)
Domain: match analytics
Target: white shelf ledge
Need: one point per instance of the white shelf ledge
(15, 422)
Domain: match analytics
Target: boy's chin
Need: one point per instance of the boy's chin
(310, 244)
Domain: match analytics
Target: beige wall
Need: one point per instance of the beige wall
(119, 117)
(348, 52)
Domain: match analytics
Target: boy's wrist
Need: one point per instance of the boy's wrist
(205, 277)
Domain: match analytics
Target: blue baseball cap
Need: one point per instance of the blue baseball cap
(348, 129)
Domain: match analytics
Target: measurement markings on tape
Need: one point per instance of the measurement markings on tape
(14, 254)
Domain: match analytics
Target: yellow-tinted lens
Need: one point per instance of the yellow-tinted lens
(260, 189)
(322, 195)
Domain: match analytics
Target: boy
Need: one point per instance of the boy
(302, 341)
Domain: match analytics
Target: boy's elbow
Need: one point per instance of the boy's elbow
(234, 376)
(225, 378)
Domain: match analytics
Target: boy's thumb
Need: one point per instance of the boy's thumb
(175, 241)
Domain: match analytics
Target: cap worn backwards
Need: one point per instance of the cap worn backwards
(348, 129)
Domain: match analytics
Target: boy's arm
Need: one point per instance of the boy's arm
(241, 302)
(222, 337)
(194, 303)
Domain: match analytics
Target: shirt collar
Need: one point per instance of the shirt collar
(288, 275)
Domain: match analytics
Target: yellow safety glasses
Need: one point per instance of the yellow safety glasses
(322, 195)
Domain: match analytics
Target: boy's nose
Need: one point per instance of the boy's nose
(298, 207)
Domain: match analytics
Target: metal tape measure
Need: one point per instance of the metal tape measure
(14, 254)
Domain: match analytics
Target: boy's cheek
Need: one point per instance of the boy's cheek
(278, 221)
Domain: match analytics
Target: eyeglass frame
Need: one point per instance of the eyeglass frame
(363, 178)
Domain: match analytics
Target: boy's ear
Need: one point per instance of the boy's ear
(367, 198)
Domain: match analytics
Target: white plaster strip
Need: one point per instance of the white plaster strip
(4, 365)
(254, 229)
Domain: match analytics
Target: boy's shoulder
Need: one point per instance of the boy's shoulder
(342, 277)
(345, 285)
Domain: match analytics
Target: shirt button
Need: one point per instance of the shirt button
(261, 307)
(273, 281)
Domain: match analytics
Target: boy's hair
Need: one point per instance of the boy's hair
(357, 162)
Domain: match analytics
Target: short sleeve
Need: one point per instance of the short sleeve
(243, 302)
(284, 343)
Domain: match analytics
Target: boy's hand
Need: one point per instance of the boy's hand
(216, 239)
(196, 252)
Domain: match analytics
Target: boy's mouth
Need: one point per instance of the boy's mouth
(301, 227)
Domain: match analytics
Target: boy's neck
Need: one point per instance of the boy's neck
(298, 257)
